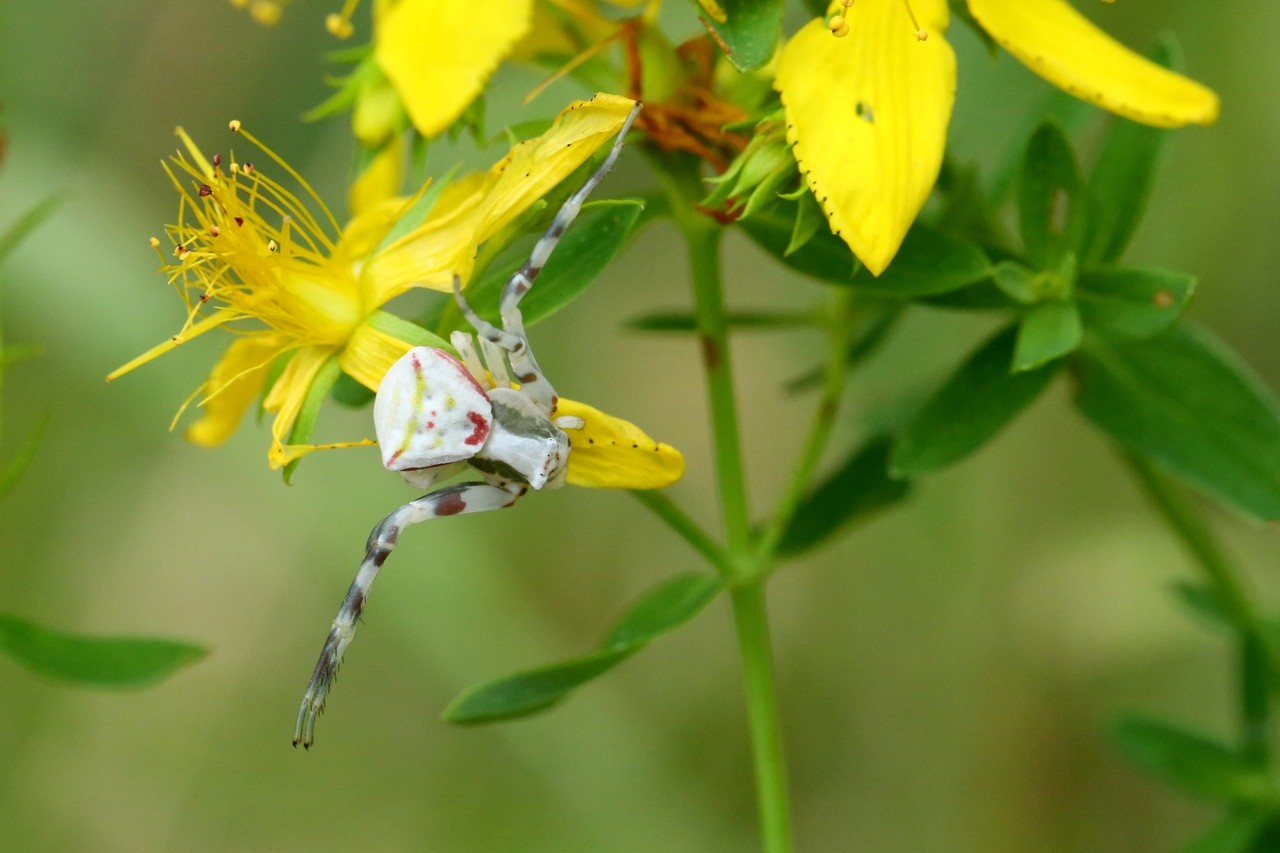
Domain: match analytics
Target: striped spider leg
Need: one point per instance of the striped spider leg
(435, 415)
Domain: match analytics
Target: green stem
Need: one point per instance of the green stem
(766, 742)
(679, 521)
(1260, 653)
(680, 181)
(819, 433)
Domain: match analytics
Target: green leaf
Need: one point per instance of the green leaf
(418, 210)
(871, 330)
(96, 661)
(823, 255)
(26, 223)
(1189, 761)
(853, 492)
(685, 321)
(1048, 331)
(1236, 832)
(929, 262)
(13, 470)
(664, 608)
(410, 333)
(1120, 183)
(1049, 196)
(973, 405)
(348, 392)
(750, 32)
(1183, 400)
(586, 249)
(310, 410)
(1135, 303)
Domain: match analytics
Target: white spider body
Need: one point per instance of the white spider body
(436, 414)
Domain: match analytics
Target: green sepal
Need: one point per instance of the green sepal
(417, 211)
(1050, 192)
(750, 32)
(1046, 332)
(1190, 762)
(410, 333)
(350, 393)
(94, 661)
(305, 423)
(599, 233)
(823, 255)
(855, 491)
(970, 407)
(1133, 303)
(1183, 400)
(808, 221)
(662, 609)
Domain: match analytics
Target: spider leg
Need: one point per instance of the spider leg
(467, 497)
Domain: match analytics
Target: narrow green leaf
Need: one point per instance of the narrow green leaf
(96, 661)
(1235, 832)
(853, 492)
(597, 236)
(685, 321)
(1048, 331)
(1049, 197)
(1183, 400)
(1135, 303)
(750, 32)
(1189, 761)
(973, 405)
(410, 333)
(418, 210)
(530, 691)
(1121, 182)
(10, 473)
(26, 223)
(662, 609)
(310, 410)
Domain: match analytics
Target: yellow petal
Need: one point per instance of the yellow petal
(380, 180)
(439, 53)
(234, 383)
(611, 453)
(536, 165)
(480, 205)
(288, 394)
(867, 116)
(1058, 43)
(369, 355)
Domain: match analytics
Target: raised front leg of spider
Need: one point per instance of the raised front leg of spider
(436, 414)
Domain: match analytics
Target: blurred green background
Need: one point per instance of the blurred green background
(946, 672)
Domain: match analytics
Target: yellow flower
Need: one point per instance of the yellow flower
(305, 296)
(868, 95)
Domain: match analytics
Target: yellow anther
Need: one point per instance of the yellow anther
(273, 246)
(838, 25)
(265, 12)
(921, 35)
(155, 242)
(234, 124)
(214, 230)
(338, 26)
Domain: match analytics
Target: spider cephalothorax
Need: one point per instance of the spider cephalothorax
(436, 414)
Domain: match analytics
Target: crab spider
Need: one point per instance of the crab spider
(435, 414)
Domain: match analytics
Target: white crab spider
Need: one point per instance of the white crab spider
(435, 414)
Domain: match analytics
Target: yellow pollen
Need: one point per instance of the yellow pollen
(838, 25)
(214, 230)
(234, 124)
(338, 26)
(273, 246)
(921, 35)
(155, 242)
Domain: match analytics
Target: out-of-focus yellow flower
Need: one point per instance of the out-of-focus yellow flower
(301, 293)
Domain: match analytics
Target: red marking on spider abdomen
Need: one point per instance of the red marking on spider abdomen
(450, 504)
(480, 431)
